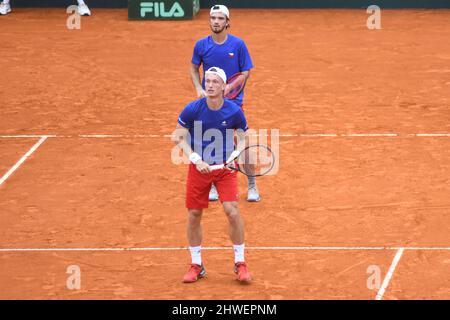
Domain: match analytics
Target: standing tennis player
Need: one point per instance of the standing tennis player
(230, 54)
(212, 114)
(83, 10)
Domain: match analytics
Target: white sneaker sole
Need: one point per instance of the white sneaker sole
(84, 13)
(253, 200)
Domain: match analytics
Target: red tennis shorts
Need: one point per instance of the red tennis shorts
(198, 186)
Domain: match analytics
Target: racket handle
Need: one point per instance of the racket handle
(217, 167)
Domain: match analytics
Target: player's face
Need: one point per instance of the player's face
(218, 22)
(214, 86)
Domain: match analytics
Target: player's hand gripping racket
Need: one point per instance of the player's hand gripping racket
(236, 84)
(253, 161)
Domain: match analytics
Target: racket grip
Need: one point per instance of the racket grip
(217, 167)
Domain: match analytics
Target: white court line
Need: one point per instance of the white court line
(370, 135)
(318, 135)
(30, 136)
(389, 275)
(22, 160)
(432, 134)
(121, 136)
(101, 136)
(312, 248)
(303, 135)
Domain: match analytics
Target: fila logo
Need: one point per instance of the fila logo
(158, 9)
(231, 54)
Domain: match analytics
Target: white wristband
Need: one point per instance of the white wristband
(195, 158)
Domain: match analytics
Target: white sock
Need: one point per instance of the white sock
(196, 255)
(251, 182)
(6, 1)
(239, 253)
(80, 2)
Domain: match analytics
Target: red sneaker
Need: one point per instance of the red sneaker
(195, 272)
(240, 269)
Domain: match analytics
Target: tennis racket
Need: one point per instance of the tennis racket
(253, 161)
(236, 83)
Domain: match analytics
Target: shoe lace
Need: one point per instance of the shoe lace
(253, 189)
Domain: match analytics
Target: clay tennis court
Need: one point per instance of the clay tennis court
(364, 178)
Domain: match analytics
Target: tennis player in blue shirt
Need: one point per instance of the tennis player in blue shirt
(198, 120)
(229, 53)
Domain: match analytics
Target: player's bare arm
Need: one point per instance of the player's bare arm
(180, 139)
(195, 77)
(242, 140)
(229, 87)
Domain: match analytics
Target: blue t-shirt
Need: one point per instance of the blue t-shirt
(211, 132)
(232, 56)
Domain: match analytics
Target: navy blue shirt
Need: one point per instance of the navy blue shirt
(232, 56)
(212, 131)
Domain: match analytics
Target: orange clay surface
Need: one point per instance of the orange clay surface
(316, 71)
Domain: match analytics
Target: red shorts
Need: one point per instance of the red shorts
(198, 186)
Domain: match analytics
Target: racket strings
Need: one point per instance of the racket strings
(255, 161)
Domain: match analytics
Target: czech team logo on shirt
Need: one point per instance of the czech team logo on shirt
(231, 54)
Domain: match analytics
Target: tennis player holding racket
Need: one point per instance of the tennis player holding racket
(218, 114)
(229, 53)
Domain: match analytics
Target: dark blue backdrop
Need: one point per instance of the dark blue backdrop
(255, 3)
